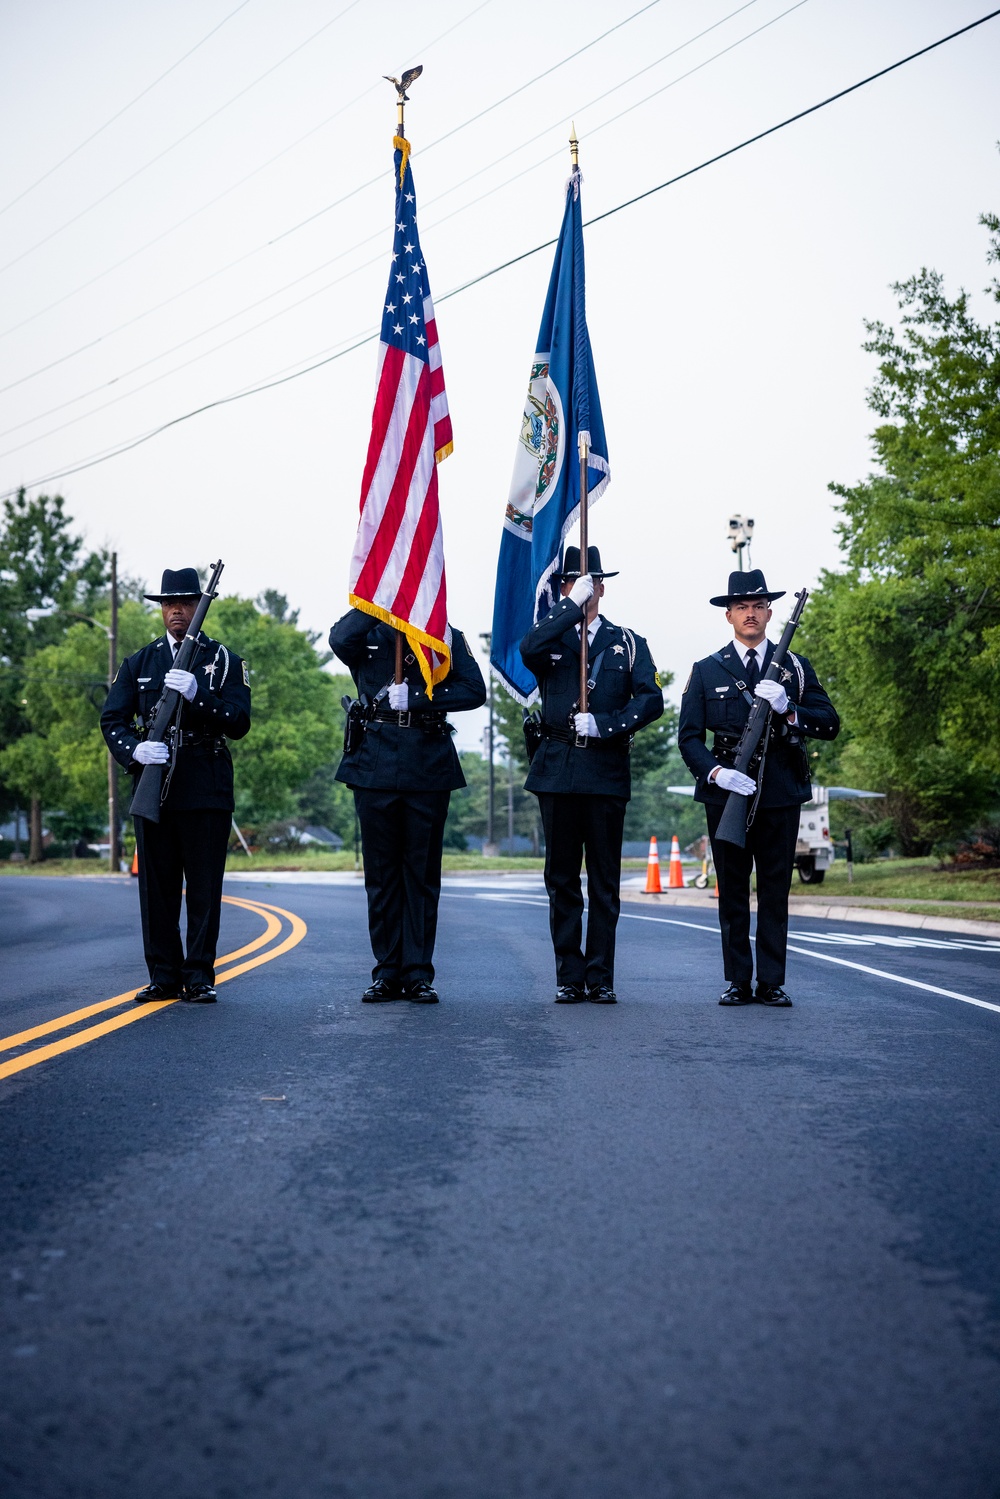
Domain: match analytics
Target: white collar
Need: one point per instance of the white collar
(744, 651)
(592, 628)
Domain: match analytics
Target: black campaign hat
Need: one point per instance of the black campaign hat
(751, 585)
(183, 584)
(571, 565)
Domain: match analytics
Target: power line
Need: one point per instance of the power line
(424, 48)
(361, 187)
(178, 142)
(465, 286)
(341, 254)
(124, 109)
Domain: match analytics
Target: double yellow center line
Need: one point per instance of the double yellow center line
(274, 918)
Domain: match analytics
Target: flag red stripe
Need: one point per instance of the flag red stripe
(395, 502)
(420, 548)
(385, 397)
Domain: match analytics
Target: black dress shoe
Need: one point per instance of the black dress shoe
(200, 994)
(156, 992)
(773, 995)
(381, 991)
(737, 994)
(570, 994)
(602, 995)
(421, 994)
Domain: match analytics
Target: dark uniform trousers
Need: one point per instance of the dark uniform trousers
(575, 825)
(189, 842)
(770, 847)
(182, 847)
(583, 791)
(714, 702)
(401, 836)
(402, 772)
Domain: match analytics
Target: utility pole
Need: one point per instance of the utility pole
(114, 849)
(486, 637)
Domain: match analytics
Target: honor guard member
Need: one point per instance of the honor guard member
(189, 842)
(402, 768)
(717, 699)
(580, 771)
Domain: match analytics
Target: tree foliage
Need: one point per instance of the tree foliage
(43, 566)
(907, 636)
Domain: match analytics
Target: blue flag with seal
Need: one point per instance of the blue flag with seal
(544, 501)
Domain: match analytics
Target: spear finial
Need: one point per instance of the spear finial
(574, 147)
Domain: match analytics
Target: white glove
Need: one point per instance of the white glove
(151, 752)
(586, 725)
(773, 693)
(182, 682)
(399, 697)
(582, 590)
(734, 780)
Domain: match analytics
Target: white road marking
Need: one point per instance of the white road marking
(825, 957)
(805, 952)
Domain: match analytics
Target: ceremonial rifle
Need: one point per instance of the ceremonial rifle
(733, 823)
(149, 792)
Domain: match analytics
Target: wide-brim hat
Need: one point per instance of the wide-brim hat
(182, 584)
(751, 585)
(571, 565)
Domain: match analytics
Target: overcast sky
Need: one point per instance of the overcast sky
(226, 228)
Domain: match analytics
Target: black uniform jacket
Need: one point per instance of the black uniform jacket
(391, 757)
(220, 710)
(625, 697)
(713, 704)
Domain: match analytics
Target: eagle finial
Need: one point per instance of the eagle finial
(402, 84)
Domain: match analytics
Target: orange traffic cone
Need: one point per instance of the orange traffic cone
(135, 862)
(715, 887)
(676, 880)
(653, 886)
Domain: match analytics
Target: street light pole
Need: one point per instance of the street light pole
(487, 638)
(114, 850)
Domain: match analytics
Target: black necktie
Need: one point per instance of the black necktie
(752, 672)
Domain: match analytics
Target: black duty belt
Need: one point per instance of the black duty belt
(618, 745)
(428, 721)
(188, 739)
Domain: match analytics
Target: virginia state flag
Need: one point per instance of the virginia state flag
(544, 501)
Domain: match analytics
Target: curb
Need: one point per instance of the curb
(799, 907)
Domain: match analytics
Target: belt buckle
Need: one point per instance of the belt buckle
(580, 741)
(403, 719)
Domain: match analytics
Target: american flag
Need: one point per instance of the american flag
(397, 569)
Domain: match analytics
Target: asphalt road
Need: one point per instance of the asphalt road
(296, 1246)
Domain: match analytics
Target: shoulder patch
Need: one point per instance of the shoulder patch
(656, 679)
(246, 675)
(687, 684)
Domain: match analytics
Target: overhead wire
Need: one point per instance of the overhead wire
(83, 286)
(271, 384)
(361, 187)
(178, 142)
(124, 110)
(380, 231)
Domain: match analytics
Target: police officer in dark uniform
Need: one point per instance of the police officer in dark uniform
(402, 771)
(580, 771)
(190, 840)
(717, 699)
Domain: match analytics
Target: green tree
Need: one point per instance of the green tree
(296, 710)
(907, 636)
(42, 566)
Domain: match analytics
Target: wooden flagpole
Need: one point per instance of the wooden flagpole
(574, 151)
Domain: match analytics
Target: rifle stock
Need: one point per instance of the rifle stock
(733, 822)
(146, 798)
